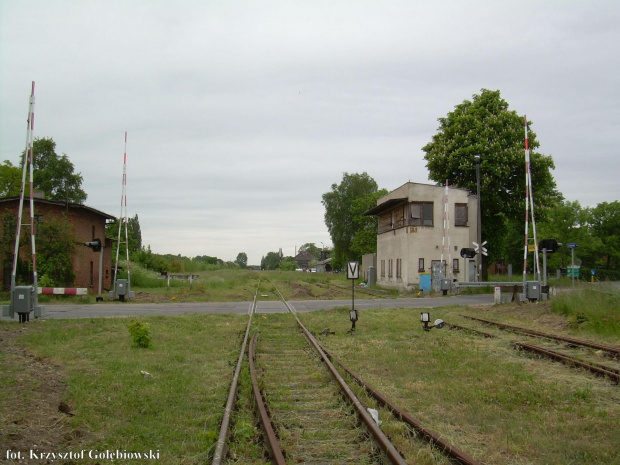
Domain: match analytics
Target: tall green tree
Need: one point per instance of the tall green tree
(55, 244)
(311, 248)
(344, 208)
(271, 261)
(10, 179)
(566, 222)
(55, 174)
(365, 238)
(486, 127)
(134, 235)
(242, 260)
(604, 224)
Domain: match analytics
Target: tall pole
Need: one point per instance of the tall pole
(446, 270)
(529, 204)
(27, 163)
(479, 222)
(123, 220)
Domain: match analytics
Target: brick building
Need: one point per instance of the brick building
(87, 223)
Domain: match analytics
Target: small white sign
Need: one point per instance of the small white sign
(353, 270)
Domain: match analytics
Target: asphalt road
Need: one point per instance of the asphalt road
(118, 309)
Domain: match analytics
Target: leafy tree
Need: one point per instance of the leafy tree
(242, 259)
(287, 264)
(150, 260)
(55, 244)
(566, 223)
(344, 207)
(604, 224)
(365, 239)
(271, 261)
(485, 126)
(10, 179)
(54, 174)
(134, 235)
(311, 248)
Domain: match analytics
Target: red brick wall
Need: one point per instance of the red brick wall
(87, 225)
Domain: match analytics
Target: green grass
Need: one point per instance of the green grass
(495, 403)
(591, 310)
(176, 410)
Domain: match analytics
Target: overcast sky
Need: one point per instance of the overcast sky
(240, 114)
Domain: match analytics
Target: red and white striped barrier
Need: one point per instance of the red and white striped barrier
(62, 290)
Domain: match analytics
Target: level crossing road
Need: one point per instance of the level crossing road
(128, 309)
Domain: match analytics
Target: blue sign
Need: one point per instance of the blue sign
(572, 245)
(592, 272)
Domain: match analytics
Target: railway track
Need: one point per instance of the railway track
(554, 350)
(308, 412)
(609, 350)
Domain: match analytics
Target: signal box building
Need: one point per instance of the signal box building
(87, 225)
(411, 234)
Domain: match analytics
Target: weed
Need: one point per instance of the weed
(140, 334)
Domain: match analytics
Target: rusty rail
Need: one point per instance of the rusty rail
(464, 328)
(370, 423)
(609, 372)
(272, 440)
(232, 393)
(614, 351)
(430, 436)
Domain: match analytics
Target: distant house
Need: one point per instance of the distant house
(324, 266)
(411, 234)
(303, 259)
(88, 224)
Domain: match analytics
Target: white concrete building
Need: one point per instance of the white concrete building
(411, 234)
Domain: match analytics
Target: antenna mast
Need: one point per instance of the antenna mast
(122, 220)
(529, 205)
(28, 163)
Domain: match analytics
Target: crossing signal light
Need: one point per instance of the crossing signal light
(468, 253)
(95, 244)
(551, 245)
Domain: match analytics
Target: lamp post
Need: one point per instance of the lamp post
(479, 219)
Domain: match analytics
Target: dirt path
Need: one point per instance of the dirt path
(33, 416)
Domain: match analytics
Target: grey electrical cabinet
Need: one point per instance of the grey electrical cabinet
(122, 290)
(23, 299)
(533, 290)
(121, 287)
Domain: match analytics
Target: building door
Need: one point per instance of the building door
(471, 271)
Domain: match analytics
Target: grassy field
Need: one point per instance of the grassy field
(84, 385)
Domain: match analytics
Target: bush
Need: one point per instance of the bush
(141, 334)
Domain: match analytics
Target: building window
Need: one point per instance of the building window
(460, 214)
(455, 265)
(398, 217)
(420, 265)
(399, 267)
(93, 233)
(383, 268)
(92, 274)
(421, 214)
(385, 222)
(390, 268)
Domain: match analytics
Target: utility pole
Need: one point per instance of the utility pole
(479, 220)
